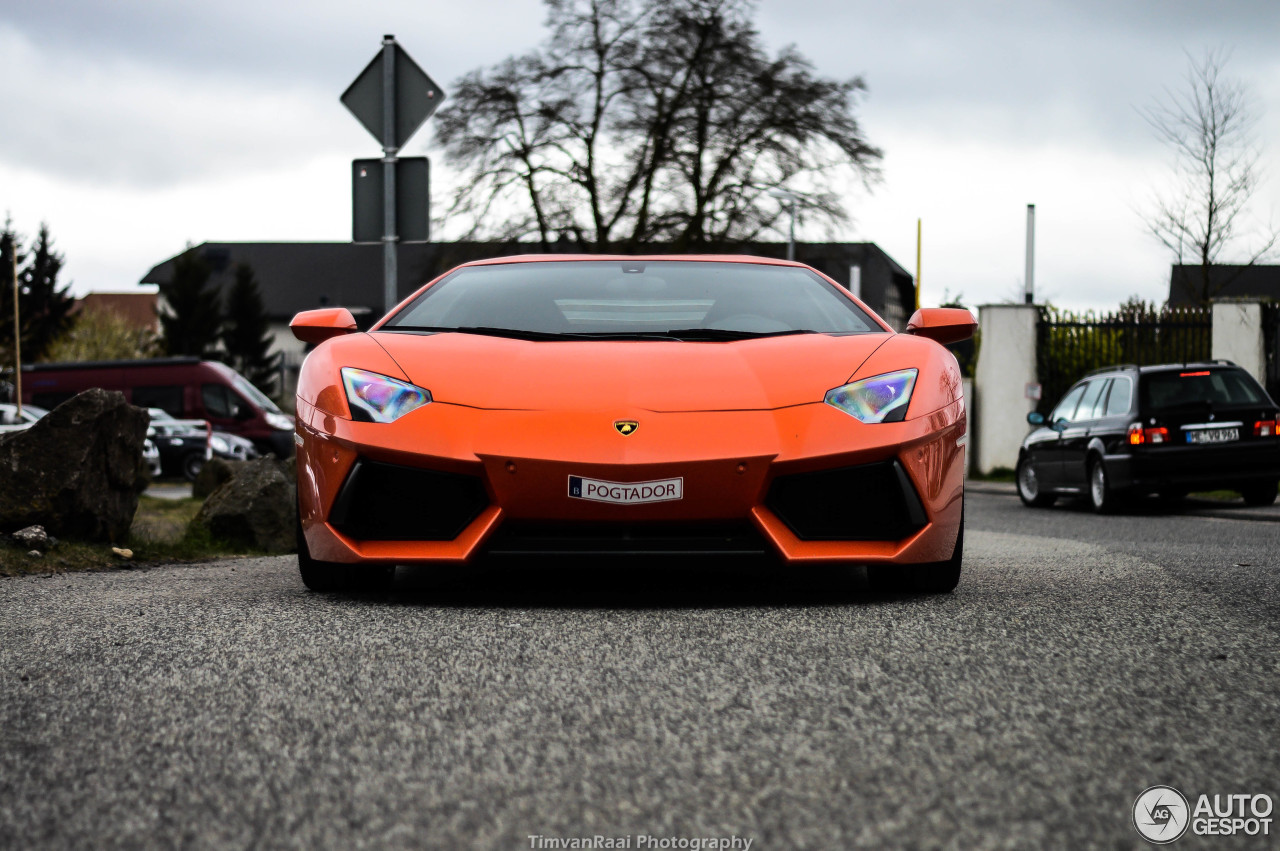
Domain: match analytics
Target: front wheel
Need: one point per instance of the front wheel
(328, 576)
(1029, 489)
(937, 577)
(192, 463)
(1259, 495)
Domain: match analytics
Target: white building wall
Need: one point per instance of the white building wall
(1006, 365)
(1237, 336)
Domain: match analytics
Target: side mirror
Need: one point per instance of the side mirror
(1060, 424)
(1035, 418)
(942, 324)
(316, 326)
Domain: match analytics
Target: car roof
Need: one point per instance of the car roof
(1158, 367)
(693, 258)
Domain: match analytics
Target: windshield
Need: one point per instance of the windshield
(1191, 388)
(660, 299)
(255, 395)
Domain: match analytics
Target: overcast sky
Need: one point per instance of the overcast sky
(136, 126)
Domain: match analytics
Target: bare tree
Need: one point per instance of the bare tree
(645, 121)
(1209, 128)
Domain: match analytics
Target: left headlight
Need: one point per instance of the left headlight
(376, 398)
(280, 422)
(220, 444)
(880, 399)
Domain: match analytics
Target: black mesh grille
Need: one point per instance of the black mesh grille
(387, 502)
(872, 502)
(527, 538)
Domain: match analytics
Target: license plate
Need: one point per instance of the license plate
(1213, 435)
(626, 493)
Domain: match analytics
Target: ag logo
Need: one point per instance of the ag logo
(1161, 814)
(626, 427)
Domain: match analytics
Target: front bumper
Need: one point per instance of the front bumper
(733, 464)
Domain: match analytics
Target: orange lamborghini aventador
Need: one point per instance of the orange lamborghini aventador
(589, 405)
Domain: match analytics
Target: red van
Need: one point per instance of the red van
(188, 388)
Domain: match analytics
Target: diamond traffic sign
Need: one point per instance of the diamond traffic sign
(415, 94)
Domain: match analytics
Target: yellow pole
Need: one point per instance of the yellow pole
(17, 329)
(918, 234)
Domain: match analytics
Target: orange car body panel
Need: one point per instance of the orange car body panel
(727, 417)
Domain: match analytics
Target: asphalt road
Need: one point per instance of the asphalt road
(1081, 660)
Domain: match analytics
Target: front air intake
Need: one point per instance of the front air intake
(388, 502)
(870, 502)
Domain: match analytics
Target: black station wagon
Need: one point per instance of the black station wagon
(1170, 429)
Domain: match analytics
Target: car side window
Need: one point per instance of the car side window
(1091, 403)
(1067, 407)
(218, 401)
(1121, 396)
(168, 398)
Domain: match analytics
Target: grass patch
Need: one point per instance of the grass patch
(997, 474)
(160, 534)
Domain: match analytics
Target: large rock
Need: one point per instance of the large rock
(78, 471)
(213, 473)
(257, 507)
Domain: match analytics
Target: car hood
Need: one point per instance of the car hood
(656, 375)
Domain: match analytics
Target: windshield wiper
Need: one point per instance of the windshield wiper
(722, 334)
(484, 330)
(680, 334)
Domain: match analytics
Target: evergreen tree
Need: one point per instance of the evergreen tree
(43, 308)
(193, 319)
(46, 309)
(246, 335)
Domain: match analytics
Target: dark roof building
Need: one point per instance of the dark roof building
(296, 276)
(1186, 283)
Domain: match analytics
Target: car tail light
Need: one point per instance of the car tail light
(1139, 435)
(1264, 428)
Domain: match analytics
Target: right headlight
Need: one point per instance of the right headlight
(379, 399)
(879, 399)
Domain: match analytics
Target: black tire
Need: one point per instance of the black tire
(192, 463)
(937, 577)
(1103, 498)
(1259, 495)
(328, 576)
(1029, 490)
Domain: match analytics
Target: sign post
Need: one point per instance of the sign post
(392, 97)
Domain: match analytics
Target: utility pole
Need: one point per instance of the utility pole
(1029, 297)
(919, 233)
(788, 200)
(389, 151)
(17, 328)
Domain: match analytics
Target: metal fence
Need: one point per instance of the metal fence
(1069, 345)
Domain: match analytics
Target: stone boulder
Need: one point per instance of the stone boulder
(77, 471)
(214, 472)
(256, 507)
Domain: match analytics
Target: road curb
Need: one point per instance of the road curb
(1194, 508)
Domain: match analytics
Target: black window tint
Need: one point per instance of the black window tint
(1121, 396)
(167, 398)
(50, 400)
(1067, 407)
(1090, 401)
(1192, 388)
(652, 296)
(217, 401)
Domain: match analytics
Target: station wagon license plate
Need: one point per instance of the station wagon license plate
(1213, 435)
